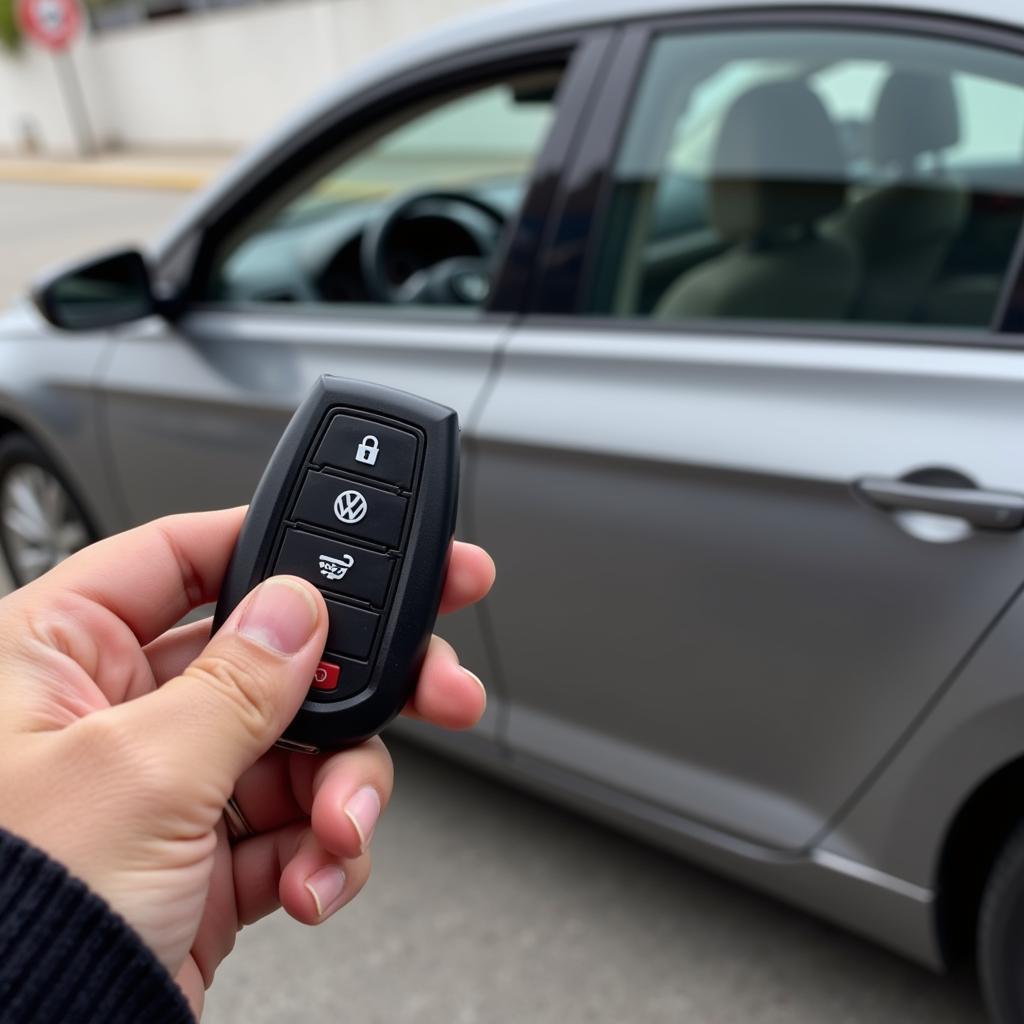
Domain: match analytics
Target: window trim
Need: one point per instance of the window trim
(567, 261)
(581, 51)
(755, 329)
(1009, 315)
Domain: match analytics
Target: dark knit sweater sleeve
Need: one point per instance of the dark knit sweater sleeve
(66, 956)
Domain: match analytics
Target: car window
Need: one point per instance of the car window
(410, 212)
(812, 175)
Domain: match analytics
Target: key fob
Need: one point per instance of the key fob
(360, 499)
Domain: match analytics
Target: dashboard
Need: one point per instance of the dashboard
(317, 254)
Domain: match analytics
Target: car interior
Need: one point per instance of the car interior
(410, 213)
(775, 263)
(903, 230)
(793, 212)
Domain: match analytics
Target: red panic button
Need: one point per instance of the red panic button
(326, 676)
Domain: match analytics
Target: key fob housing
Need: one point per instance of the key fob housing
(359, 498)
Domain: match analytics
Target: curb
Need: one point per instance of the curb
(103, 175)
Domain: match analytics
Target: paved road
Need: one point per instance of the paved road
(489, 906)
(40, 225)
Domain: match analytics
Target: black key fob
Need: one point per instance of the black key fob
(360, 499)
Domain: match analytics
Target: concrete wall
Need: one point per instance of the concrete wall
(217, 79)
(31, 102)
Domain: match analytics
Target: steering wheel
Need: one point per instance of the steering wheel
(457, 280)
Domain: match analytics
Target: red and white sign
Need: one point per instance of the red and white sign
(51, 23)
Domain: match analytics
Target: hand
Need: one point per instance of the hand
(120, 743)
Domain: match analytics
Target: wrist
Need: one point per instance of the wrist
(68, 955)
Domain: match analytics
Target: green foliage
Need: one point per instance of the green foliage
(10, 30)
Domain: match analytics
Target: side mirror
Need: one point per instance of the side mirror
(100, 292)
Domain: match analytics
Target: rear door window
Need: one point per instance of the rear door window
(815, 175)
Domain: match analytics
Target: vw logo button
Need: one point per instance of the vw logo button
(350, 506)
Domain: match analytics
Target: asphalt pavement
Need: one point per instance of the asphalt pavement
(488, 906)
(45, 224)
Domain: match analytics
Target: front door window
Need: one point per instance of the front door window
(410, 213)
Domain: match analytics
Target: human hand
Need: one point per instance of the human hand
(122, 739)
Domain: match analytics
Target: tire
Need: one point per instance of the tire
(41, 521)
(1000, 944)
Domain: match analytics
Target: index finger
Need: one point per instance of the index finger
(153, 575)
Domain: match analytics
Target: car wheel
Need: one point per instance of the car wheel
(41, 523)
(1001, 934)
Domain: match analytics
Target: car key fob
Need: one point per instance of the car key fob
(360, 499)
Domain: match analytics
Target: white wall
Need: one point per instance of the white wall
(217, 79)
(31, 98)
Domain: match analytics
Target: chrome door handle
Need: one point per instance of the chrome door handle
(989, 510)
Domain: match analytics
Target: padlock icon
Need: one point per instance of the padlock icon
(368, 450)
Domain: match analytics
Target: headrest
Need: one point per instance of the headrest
(917, 113)
(778, 162)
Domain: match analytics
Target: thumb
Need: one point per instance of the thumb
(230, 705)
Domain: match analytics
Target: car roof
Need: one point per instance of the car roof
(524, 19)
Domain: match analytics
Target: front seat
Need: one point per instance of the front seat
(777, 170)
(902, 231)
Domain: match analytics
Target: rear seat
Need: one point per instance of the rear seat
(902, 229)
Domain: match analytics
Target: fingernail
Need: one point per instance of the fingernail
(326, 887)
(280, 615)
(476, 679)
(363, 810)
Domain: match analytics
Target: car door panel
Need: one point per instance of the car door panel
(48, 393)
(197, 408)
(726, 628)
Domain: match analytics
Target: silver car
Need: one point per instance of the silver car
(731, 303)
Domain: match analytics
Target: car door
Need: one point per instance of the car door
(727, 469)
(278, 290)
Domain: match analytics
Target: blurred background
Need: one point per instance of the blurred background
(200, 76)
(161, 96)
(489, 904)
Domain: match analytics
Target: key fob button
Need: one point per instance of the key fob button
(326, 676)
(336, 678)
(351, 630)
(351, 508)
(370, 449)
(336, 567)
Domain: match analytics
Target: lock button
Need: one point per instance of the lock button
(369, 448)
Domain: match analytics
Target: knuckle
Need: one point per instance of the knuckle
(243, 681)
(369, 763)
(191, 578)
